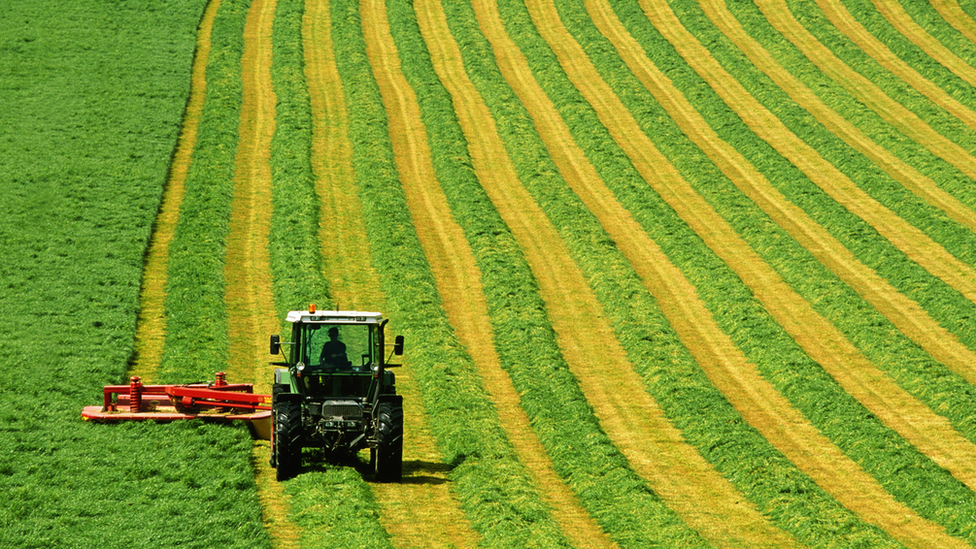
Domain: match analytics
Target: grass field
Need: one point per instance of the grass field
(671, 273)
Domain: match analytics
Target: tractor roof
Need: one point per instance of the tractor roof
(335, 317)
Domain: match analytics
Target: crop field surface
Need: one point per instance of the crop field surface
(671, 273)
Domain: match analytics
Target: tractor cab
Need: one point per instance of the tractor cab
(337, 353)
(334, 392)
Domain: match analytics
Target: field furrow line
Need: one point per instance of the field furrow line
(905, 313)
(744, 522)
(866, 91)
(955, 16)
(423, 513)
(838, 14)
(900, 19)
(652, 445)
(751, 394)
(151, 323)
(346, 253)
(247, 272)
(899, 170)
(819, 338)
(910, 240)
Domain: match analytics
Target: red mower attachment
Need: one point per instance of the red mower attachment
(217, 401)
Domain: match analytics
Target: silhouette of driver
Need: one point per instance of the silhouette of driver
(334, 351)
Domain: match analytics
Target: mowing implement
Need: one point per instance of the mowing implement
(333, 392)
(216, 401)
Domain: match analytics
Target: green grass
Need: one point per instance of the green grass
(196, 316)
(331, 504)
(296, 262)
(488, 480)
(898, 466)
(678, 385)
(93, 95)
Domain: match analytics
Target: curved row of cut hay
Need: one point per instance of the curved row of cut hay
(678, 289)
(93, 93)
(486, 477)
(583, 19)
(707, 106)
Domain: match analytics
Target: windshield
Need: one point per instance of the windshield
(338, 346)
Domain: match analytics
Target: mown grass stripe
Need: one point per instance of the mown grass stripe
(151, 324)
(331, 506)
(773, 366)
(525, 341)
(736, 523)
(492, 486)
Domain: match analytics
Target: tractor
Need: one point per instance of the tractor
(335, 392)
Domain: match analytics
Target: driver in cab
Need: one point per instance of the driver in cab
(334, 351)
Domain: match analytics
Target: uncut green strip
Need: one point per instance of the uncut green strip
(903, 471)
(866, 14)
(912, 368)
(581, 453)
(944, 304)
(93, 94)
(493, 487)
(932, 21)
(333, 507)
(196, 325)
(296, 261)
(811, 17)
(673, 379)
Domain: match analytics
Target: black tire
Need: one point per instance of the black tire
(286, 447)
(275, 389)
(387, 457)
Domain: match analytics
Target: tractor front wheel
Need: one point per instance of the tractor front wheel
(286, 446)
(387, 456)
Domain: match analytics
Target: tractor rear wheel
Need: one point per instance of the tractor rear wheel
(286, 448)
(387, 456)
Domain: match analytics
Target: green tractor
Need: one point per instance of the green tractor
(335, 393)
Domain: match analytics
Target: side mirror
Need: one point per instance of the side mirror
(398, 345)
(275, 344)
